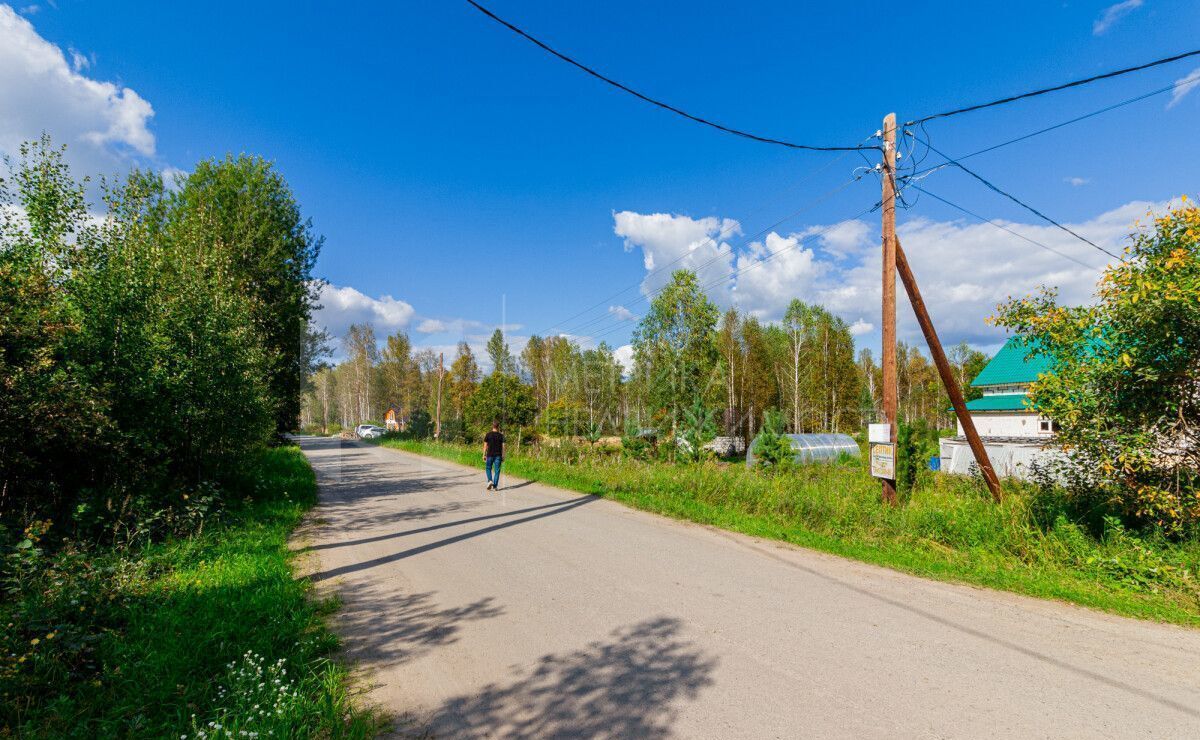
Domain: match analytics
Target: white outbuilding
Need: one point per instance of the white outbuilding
(1013, 432)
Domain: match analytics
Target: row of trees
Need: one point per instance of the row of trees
(151, 345)
(685, 351)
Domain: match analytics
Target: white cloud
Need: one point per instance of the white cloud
(104, 125)
(672, 242)
(1114, 13)
(343, 306)
(432, 326)
(624, 355)
(964, 268)
(861, 327)
(621, 313)
(1183, 86)
(1076, 181)
(30, 10)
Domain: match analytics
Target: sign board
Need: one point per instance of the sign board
(883, 460)
(879, 432)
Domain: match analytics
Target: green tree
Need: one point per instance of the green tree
(1124, 378)
(501, 357)
(772, 448)
(464, 379)
(698, 430)
(504, 398)
(675, 348)
(247, 215)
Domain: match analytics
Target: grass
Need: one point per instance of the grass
(207, 636)
(946, 529)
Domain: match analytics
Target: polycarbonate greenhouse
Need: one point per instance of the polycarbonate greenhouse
(815, 447)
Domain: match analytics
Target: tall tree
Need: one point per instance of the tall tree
(363, 353)
(501, 357)
(247, 215)
(674, 347)
(464, 379)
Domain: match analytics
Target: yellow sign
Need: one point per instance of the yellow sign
(883, 460)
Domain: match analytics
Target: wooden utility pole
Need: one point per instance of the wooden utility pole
(891, 399)
(437, 423)
(944, 370)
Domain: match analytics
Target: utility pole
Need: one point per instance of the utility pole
(891, 400)
(437, 424)
(944, 370)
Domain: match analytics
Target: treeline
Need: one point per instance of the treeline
(685, 351)
(146, 347)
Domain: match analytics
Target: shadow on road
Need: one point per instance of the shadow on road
(627, 686)
(552, 510)
(383, 628)
(433, 527)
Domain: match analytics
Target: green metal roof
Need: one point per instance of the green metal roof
(1010, 365)
(1001, 402)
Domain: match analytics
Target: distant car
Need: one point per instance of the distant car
(369, 431)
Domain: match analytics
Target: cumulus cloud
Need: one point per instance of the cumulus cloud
(621, 313)
(1111, 15)
(1183, 86)
(432, 326)
(104, 125)
(965, 268)
(343, 306)
(861, 327)
(672, 242)
(624, 355)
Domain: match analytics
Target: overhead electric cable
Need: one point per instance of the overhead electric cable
(1056, 88)
(721, 235)
(1004, 228)
(1047, 129)
(659, 103)
(1014, 199)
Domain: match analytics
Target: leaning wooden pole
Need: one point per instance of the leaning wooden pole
(943, 368)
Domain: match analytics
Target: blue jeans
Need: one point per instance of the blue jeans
(493, 477)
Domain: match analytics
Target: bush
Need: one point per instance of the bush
(1122, 382)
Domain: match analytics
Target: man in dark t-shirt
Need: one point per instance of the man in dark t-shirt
(493, 455)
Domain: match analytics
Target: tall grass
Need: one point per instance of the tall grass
(207, 636)
(946, 528)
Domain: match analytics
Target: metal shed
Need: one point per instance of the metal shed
(815, 447)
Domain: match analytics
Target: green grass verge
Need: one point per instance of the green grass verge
(208, 636)
(947, 529)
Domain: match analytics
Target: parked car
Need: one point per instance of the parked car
(369, 431)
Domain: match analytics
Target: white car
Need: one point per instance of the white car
(369, 431)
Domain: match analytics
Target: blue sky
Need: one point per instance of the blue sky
(464, 179)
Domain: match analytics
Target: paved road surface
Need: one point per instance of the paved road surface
(536, 612)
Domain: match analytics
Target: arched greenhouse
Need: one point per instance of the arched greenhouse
(808, 448)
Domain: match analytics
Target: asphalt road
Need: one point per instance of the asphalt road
(536, 612)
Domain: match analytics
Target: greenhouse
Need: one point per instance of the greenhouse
(815, 448)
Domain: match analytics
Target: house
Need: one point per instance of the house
(392, 420)
(1013, 432)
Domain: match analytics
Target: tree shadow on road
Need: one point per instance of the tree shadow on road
(630, 685)
(382, 628)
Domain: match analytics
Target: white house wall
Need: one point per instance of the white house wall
(1006, 425)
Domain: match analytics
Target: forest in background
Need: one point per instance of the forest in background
(685, 349)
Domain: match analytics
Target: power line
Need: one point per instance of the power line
(721, 235)
(1014, 199)
(1047, 129)
(1003, 227)
(1056, 88)
(659, 103)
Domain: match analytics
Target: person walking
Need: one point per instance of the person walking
(493, 455)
